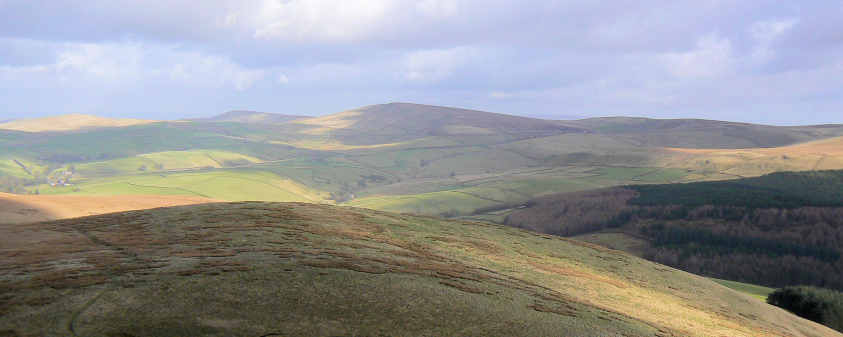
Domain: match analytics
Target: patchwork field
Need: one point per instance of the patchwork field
(399, 157)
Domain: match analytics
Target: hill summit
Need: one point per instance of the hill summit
(419, 119)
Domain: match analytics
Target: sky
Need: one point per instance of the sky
(768, 62)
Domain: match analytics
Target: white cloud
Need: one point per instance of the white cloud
(766, 31)
(322, 20)
(127, 63)
(711, 58)
(435, 65)
(244, 79)
(197, 69)
(108, 63)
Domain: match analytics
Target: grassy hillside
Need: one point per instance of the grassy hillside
(780, 229)
(263, 269)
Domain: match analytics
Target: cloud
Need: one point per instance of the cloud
(92, 65)
(766, 31)
(712, 57)
(435, 65)
(545, 56)
(319, 20)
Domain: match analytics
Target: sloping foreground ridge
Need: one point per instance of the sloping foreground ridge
(276, 269)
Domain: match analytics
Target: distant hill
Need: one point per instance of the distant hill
(279, 269)
(418, 119)
(554, 117)
(8, 120)
(704, 134)
(73, 122)
(243, 116)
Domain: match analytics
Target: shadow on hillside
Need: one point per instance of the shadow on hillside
(14, 212)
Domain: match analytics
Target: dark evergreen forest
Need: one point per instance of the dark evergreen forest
(823, 306)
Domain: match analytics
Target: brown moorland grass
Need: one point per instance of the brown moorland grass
(15, 208)
(72, 122)
(814, 155)
(257, 269)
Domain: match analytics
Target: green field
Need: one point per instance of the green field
(752, 290)
(11, 169)
(230, 185)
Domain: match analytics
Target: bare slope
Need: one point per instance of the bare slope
(73, 122)
(270, 269)
(16, 208)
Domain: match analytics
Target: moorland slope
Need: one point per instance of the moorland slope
(425, 120)
(16, 208)
(704, 134)
(73, 122)
(268, 269)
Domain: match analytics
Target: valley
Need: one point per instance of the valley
(406, 199)
(403, 157)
